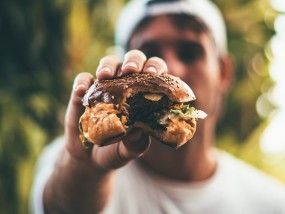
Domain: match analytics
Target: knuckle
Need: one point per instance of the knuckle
(133, 61)
(107, 67)
(83, 80)
(83, 76)
(135, 54)
(109, 59)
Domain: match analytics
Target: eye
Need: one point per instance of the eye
(151, 49)
(190, 52)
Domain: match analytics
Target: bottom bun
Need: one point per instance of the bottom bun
(177, 133)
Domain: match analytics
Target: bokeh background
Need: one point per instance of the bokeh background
(44, 43)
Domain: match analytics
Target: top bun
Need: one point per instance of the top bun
(117, 90)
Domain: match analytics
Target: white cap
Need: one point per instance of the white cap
(136, 10)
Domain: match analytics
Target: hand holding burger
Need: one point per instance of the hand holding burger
(159, 104)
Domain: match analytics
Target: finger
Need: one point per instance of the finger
(133, 62)
(134, 144)
(119, 154)
(155, 65)
(108, 67)
(75, 109)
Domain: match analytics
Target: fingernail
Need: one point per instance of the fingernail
(78, 86)
(105, 69)
(131, 64)
(151, 69)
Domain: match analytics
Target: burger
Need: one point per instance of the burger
(158, 104)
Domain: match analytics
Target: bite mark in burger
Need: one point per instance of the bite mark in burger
(158, 104)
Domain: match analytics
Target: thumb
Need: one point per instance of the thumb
(117, 155)
(134, 144)
(75, 109)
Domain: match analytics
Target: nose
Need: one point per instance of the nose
(175, 66)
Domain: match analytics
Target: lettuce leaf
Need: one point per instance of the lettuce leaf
(187, 112)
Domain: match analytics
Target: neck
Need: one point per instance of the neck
(195, 161)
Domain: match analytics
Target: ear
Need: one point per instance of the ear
(227, 73)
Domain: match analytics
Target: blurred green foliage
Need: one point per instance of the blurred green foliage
(250, 28)
(44, 43)
(32, 59)
(249, 34)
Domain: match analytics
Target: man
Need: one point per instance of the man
(139, 176)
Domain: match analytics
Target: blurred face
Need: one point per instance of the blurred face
(189, 55)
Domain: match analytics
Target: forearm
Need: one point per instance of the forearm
(76, 187)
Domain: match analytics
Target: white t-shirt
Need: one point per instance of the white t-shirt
(235, 188)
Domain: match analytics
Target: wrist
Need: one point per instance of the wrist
(83, 164)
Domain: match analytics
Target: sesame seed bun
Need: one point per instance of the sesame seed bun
(117, 90)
